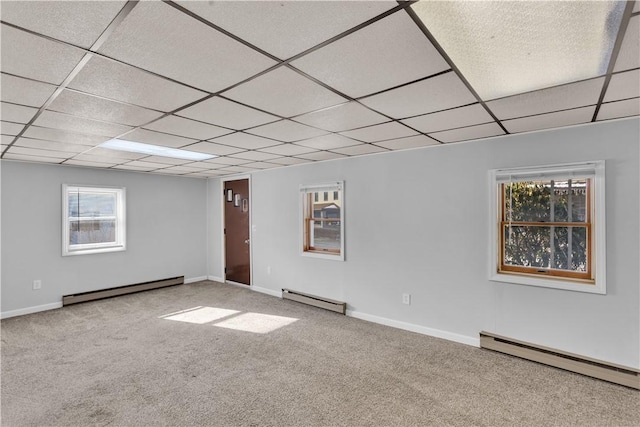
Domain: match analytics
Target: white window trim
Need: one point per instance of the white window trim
(598, 245)
(306, 189)
(94, 248)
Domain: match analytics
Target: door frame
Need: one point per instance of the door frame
(223, 251)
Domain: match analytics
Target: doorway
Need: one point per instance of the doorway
(236, 231)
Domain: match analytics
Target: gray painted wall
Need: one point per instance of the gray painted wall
(417, 222)
(166, 237)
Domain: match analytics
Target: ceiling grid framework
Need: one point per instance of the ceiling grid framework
(222, 78)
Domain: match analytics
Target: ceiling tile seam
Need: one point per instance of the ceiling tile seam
(620, 100)
(220, 29)
(104, 98)
(78, 67)
(438, 74)
(458, 128)
(624, 23)
(615, 73)
(31, 79)
(550, 112)
(83, 61)
(253, 108)
(440, 111)
(453, 66)
(244, 133)
(115, 22)
(364, 143)
(349, 98)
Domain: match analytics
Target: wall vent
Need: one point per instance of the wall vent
(328, 304)
(606, 371)
(121, 290)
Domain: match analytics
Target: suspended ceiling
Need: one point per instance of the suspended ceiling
(271, 84)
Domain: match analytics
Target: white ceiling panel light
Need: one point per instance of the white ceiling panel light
(343, 63)
(154, 150)
(285, 29)
(506, 48)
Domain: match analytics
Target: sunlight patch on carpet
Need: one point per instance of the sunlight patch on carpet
(256, 322)
(199, 315)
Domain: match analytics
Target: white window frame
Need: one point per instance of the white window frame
(594, 170)
(306, 189)
(93, 248)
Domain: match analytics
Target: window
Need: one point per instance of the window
(93, 220)
(549, 226)
(323, 222)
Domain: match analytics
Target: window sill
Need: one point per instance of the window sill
(94, 250)
(323, 255)
(548, 282)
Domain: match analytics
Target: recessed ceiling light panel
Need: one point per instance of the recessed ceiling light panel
(154, 150)
(508, 47)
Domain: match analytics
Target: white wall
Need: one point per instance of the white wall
(166, 233)
(417, 222)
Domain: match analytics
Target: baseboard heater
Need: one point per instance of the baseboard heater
(328, 304)
(606, 371)
(121, 290)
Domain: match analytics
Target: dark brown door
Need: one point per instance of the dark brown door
(236, 223)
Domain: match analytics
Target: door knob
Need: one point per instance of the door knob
(246, 242)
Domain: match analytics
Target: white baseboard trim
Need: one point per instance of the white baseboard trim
(29, 310)
(462, 339)
(195, 279)
(267, 291)
(215, 279)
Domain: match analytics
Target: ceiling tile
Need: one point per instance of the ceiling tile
(157, 138)
(346, 64)
(145, 164)
(550, 120)
(468, 133)
(284, 92)
(222, 112)
(188, 128)
(342, 117)
(256, 156)
(288, 161)
(359, 150)
(286, 131)
(216, 149)
(93, 107)
(246, 141)
(328, 142)
(165, 160)
(113, 154)
(450, 119)
(133, 168)
(64, 136)
(110, 160)
(61, 155)
(285, 29)
(75, 22)
(288, 150)
(103, 77)
(25, 158)
(619, 109)
(406, 143)
(434, 94)
(238, 169)
(380, 132)
(199, 165)
(89, 163)
(62, 121)
(168, 171)
(176, 48)
(181, 169)
(262, 165)
(23, 91)
(623, 85)
(636, 7)
(17, 113)
(7, 139)
(321, 155)
(547, 100)
(8, 128)
(629, 55)
(227, 161)
(51, 145)
(27, 55)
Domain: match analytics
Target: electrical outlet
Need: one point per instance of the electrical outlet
(37, 284)
(406, 299)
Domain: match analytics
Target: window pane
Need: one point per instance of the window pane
(325, 234)
(546, 247)
(527, 201)
(92, 231)
(570, 200)
(92, 204)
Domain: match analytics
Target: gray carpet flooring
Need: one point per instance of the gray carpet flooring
(240, 358)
